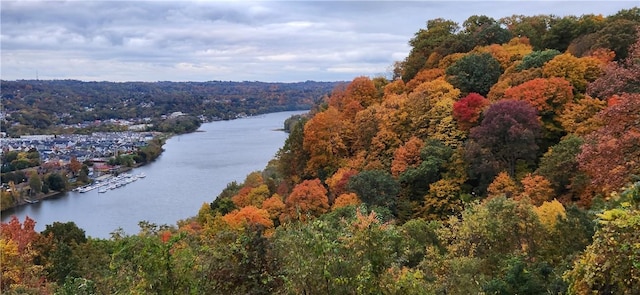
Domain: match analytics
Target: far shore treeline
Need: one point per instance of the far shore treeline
(502, 157)
(68, 106)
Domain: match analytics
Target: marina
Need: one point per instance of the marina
(111, 182)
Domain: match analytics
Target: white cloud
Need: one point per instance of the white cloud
(230, 40)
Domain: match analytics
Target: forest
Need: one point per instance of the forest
(503, 157)
(40, 106)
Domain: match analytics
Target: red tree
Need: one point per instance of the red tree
(610, 155)
(467, 110)
(507, 134)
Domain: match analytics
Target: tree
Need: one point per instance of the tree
(577, 116)
(483, 30)
(560, 166)
(618, 35)
(307, 199)
(619, 77)
(610, 154)
(467, 110)
(406, 156)
(560, 33)
(550, 213)
(375, 188)
(274, 205)
(35, 183)
(292, 157)
(532, 27)
(578, 71)
(474, 73)
(324, 143)
(415, 181)
(610, 264)
(56, 182)
(429, 108)
(362, 90)
(83, 176)
(337, 183)
(536, 189)
(248, 216)
(426, 42)
(502, 185)
(478, 247)
(75, 165)
(58, 253)
(507, 134)
(549, 97)
(19, 270)
(425, 75)
(344, 200)
(251, 196)
(537, 59)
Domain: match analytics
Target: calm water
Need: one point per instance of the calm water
(193, 169)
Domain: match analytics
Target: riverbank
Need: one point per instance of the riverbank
(193, 169)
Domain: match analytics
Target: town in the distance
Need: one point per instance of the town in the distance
(96, 132)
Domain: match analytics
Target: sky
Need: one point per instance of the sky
(270, 41)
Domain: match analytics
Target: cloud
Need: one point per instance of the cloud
(230, 40)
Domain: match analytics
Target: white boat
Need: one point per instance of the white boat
(102, 190)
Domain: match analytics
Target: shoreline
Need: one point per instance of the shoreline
(50, 195)
(163, 139)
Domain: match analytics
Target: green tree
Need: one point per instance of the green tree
(537, 59)
(428, 42)
(559, 164)
(57, 182)
(83, 176)
(474, 73)
(58, 250)
(35, 183)
(375, 188)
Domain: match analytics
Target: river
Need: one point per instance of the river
(193, 169)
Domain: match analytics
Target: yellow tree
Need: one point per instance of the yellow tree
(19, 271)
(577, 116)
(429, 104)
(578, 71)
(502, 185)
(549, 213)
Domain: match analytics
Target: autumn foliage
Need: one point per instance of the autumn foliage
(467, 110)
(417, 185)
(249, 215)
(308, 199)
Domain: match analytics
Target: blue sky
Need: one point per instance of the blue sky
(284, 41)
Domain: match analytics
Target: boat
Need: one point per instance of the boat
(102, 190)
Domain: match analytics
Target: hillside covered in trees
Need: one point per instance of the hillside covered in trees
(504, 159)
(34, 106)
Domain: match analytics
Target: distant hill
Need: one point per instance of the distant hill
(39, 104)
